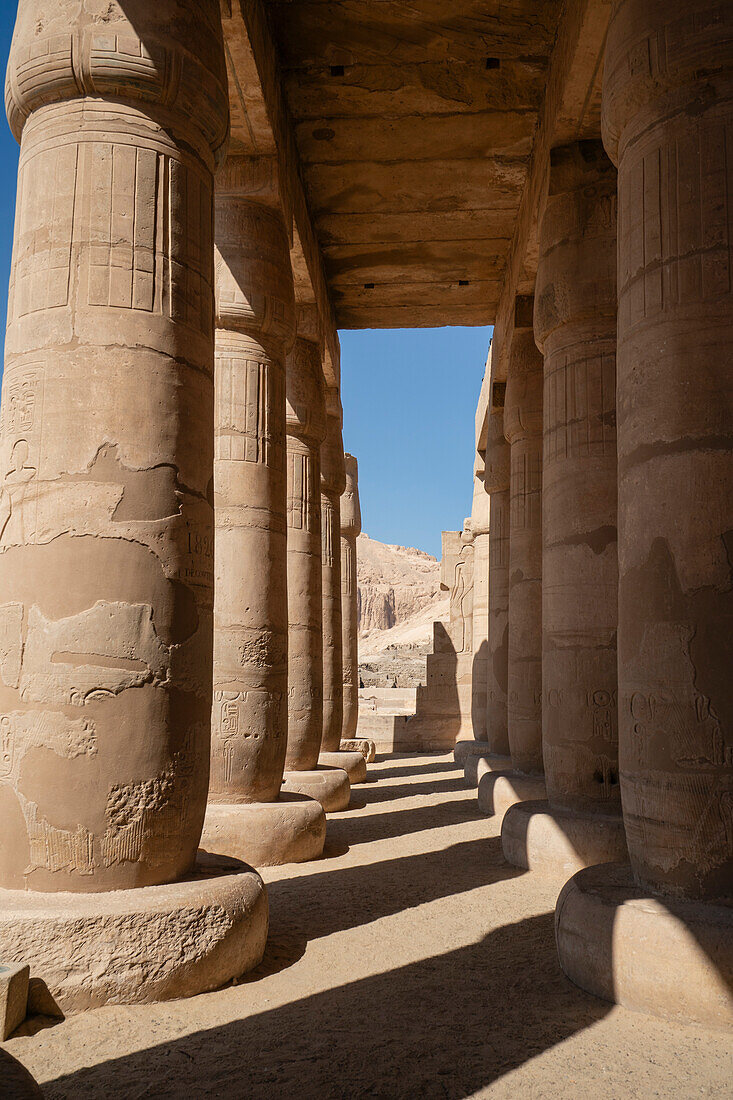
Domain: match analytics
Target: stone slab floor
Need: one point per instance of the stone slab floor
(410, 962)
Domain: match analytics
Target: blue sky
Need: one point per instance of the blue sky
(409, 398)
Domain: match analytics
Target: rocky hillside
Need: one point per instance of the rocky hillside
(399, 599)
(395, 582)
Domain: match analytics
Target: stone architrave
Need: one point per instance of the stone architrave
(106, 524)
(306, 430)
(575, 328)
(523, 429)
(667, 106)
(248, 816)
(350, 529)
(333, 484)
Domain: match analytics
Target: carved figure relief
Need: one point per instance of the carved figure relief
(461, 600)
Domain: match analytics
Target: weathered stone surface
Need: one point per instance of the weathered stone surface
(672, 957)
(350, 529)
(333, 483)
(328, 785)
(352, 761)
(255, 328)
(496, 484)
(292, 829)
(18, 1084)
(13, 996)
(575, 327)
(556, 842)
(364, 745)
(385, 98)
(106, 432)
(139, 945)
(497, 791)
(480, 617)
(523, 430)
(306, 430)
(665, 115)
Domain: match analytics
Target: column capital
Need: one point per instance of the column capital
(653, 51)
(333, 470)
(496, 471)
(167, 60)
(350, 506)
(576, 273)
(523, 406)
(305, 407)
(254, 278)
(254, 178)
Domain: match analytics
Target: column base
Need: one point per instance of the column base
(476, 766)
(266, 834)
(329, 786)
(17, 1082)
(353, 763)
(558, 842)
(464, 750)
(664, 956)
(133, 946)
(364, 745)
(497, 791)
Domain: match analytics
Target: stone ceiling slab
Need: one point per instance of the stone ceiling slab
(413, 123)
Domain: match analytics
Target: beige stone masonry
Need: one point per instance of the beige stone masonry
(106, 517)
(255, 330)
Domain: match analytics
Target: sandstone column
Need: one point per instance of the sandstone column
(255, 325)
(523, 430)
(575, 327)
(480, 531)
(350, 530)
(668, 118)
(306, 430)
(106, 535)
(496, 484)
(350, 513)
(469, 752)
(333, 484)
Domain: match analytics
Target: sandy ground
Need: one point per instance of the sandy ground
(410, 962)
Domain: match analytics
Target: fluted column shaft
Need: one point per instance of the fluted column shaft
(106, 525)
(255, 328)
(523, 429)
(306, 430)
(668, 120)
(350, 530)
(575, 327)
(333, 483)
(496, 484)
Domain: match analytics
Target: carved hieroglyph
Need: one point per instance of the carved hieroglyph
(333, 483)
(523, 430)
(668, 125)
(106, 430)
(496, 483)
(306, 430)
(350, 530)
(575, 327)
(255, 325)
